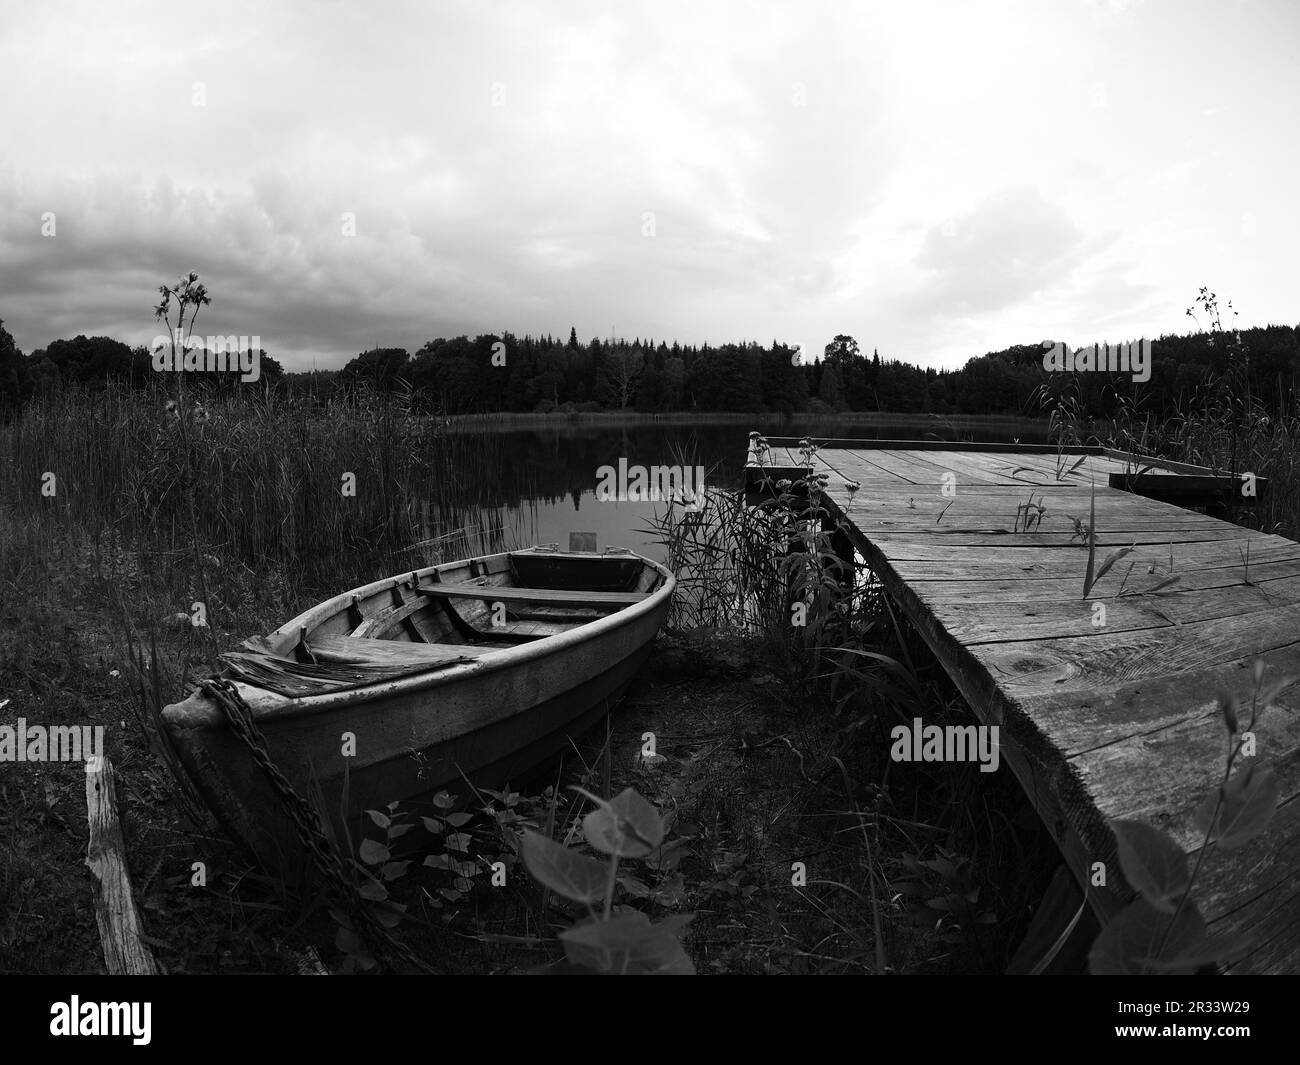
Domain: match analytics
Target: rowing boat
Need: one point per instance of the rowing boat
(480, 670)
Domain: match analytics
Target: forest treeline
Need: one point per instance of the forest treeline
(508, 373)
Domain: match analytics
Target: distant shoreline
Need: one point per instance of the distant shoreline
(619, 419)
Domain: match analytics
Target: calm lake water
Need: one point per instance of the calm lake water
(528, 487)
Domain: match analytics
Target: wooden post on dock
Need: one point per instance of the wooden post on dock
(119, 924)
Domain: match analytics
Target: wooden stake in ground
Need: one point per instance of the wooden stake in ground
(119, 924)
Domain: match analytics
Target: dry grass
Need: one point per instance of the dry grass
(1267, 445)
(775, 738)
(252, 479)
(238, 506)
(911, 868)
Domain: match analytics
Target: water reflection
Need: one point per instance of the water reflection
(515, 488)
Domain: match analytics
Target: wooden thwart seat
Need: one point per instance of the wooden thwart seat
(368, 649)
(510, 594)
(379, 624)
(386, 619)
(341, 663)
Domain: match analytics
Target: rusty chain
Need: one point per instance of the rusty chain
(306, 821)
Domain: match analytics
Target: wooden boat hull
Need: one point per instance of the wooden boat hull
(495, 719)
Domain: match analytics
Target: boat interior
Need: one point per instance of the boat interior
(441, 616)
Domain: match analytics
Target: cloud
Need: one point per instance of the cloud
(1012, 245)
(800, 164)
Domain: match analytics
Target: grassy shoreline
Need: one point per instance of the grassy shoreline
(619, 419)
(239, 505)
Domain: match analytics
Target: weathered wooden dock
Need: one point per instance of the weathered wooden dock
(1098, 721)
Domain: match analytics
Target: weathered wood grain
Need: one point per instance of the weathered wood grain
(346, 649)
(1062, 560)
(1005, 590)
(1034, 619)
(119, 924)
(1164, 751)
(1025, 667)
(506, 594)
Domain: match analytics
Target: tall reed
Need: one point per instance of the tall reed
(312, 489)
(1257, 441)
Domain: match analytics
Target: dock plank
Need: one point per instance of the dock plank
(1081, 662)
(999, 590)
(888, 466)
(1056, 562)
(1036, 619)
(966, 469)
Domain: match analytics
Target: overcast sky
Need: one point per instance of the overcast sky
(938, 180)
